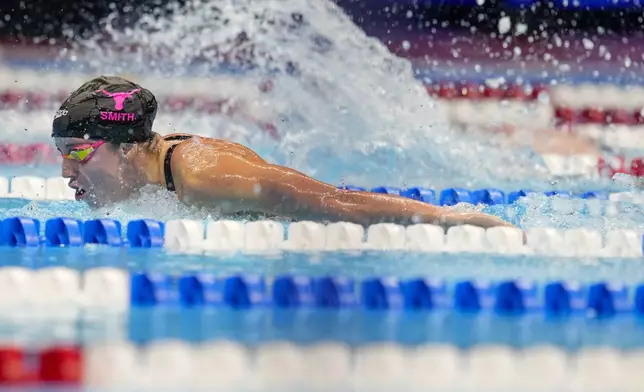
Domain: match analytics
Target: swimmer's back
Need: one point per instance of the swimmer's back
(200, 145)
(216, 173)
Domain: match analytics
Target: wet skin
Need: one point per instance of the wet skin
(229, 178)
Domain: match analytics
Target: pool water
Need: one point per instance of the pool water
(32, 326)
(532, 211)
(355, 328)
(353, 264)
(352, 327)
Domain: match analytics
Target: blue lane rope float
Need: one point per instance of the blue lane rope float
(486, 196)
(71, 232)
(20, 232)
(66, 232)
(103, 232)
(505, 298)
(145, 233)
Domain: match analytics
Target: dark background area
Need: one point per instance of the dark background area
(55, 18)
(20, 19)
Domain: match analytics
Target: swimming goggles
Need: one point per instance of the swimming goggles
(83, 154)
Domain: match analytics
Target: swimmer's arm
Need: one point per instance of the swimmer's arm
(367, 208)
(326, 202)
(286, 192)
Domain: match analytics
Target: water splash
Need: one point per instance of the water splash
(529, 212)
(347, 110)
(152, 202)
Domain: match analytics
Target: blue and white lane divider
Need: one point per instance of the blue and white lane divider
(188, 236)
(106, 287)
(56, 188)
(515, 298)
(485, 196)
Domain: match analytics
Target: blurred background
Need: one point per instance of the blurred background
(522, 65)
(445, 39)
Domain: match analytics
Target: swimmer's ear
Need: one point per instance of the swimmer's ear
(151, 145)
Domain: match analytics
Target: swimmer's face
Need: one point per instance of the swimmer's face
(98, 179)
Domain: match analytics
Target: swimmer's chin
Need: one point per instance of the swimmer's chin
(96, 204)
(93, 204)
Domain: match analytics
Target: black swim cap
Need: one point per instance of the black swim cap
(109, 108)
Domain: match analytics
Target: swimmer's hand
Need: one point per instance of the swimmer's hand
(449, 218)
(476, 219)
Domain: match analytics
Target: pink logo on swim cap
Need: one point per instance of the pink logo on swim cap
(119, 98)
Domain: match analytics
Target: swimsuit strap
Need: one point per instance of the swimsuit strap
(169, 182)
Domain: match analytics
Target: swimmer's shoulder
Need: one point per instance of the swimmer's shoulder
(197, 153)
(209, 145)
(197, 160)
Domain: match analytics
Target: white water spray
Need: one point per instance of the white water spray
(346, 109)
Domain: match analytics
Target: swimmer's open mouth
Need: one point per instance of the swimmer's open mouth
(80, 194)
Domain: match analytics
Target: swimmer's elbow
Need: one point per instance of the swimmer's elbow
(301, 200)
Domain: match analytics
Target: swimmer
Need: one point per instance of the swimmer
(104, 132)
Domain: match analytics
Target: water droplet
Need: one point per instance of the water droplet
(505, 24)
(588, 44)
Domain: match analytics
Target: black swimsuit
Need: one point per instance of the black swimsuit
(167, 168)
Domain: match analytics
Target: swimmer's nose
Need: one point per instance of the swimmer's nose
(68, 168)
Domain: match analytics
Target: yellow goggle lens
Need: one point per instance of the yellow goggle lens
(80, 155)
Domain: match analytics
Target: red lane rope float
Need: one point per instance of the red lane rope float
(23, 154)
(620, 165)
(61, 366)
(12, 365)
(594, 115)
(517, 92)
